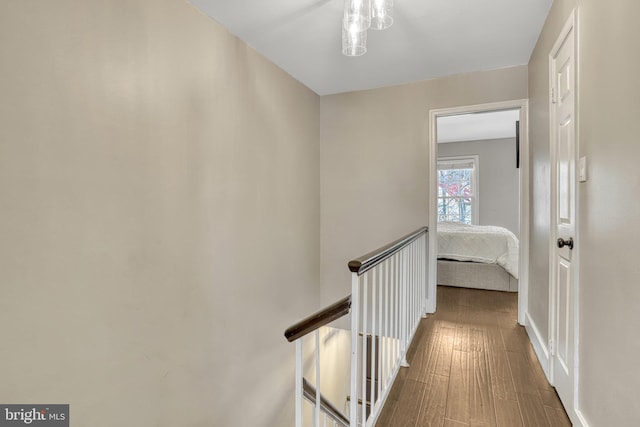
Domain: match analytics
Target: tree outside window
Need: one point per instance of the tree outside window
(457, 199)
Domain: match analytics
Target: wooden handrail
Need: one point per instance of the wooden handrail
(325, 405)
(319, 319)
(368, 261)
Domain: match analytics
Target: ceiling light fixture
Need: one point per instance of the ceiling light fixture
(381, 14)
(354, 42)
(359, 16)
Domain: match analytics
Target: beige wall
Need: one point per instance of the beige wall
(608, 212)
(159, 196)
(374, 162)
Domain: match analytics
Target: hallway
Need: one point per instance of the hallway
(471, 364)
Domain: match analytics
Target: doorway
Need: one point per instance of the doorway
(523, 268)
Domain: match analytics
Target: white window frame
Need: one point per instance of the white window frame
(465, 160)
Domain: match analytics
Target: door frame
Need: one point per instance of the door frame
(571, 25)
(523, 268)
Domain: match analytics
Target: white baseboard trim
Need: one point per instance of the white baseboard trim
(542, 352)
(582, 422)
(539, 345)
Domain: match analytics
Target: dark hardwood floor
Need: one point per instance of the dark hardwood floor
(471, 364)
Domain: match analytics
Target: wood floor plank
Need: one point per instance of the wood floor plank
(485, 300)
(386, 416)
(506, 320)
(532, 410)
(557, 417)
(523, 379)
(476, 338)
(459, 388)
(434, 402)
(418, 365)
(440, 358)
(409, 403)
(550, 398)
(502, 381)
(536, 369)
(508, 413)
(488, 318)
(388, 411)
(396, 389)
(515, 338)
(507, 302)
(418, 339)
(481, 404)
(452, 423)
(462, 341)
(487, 336)
(446, 318)
(447, 298)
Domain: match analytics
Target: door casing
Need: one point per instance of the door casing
(523, 285)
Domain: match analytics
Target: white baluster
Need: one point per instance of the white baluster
(387, 321)
(355, 314)
(374, 285)
(405, 307)
(298, 385)
(317, 412)
(416, 297)
(423, 259)
(365, 325)
(379, 353)
(396, 310)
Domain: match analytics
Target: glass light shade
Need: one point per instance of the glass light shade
(381, 14)
(354, 42)
(357, 13)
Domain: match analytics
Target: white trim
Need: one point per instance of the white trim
(581, 420)
(576, 256)
(475, 178)
(523, 286)
(433, 215)
(538, 344)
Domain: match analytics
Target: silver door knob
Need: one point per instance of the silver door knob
(562, 243)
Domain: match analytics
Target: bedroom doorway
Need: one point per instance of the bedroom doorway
(467, 207)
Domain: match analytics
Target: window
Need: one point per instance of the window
(457, 191)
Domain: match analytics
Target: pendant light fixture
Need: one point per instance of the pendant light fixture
(359, 16)
(354, 42)
(381, 14)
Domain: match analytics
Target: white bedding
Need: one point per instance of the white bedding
(480, 243)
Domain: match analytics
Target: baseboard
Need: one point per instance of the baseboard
(542, 352)
(581, 420)
(538, 344)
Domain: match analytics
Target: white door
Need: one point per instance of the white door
(563, 211)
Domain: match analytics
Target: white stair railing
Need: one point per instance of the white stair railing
(389, 296)
(324, 412)
(388, 299)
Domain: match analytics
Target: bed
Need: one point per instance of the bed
(477, 256)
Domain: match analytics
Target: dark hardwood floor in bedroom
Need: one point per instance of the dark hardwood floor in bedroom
(471, 364)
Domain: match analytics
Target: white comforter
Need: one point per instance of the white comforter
(479, 243)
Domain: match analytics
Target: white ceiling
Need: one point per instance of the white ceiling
(478, 126)
(429, 38)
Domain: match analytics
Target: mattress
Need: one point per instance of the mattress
(479, 243)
